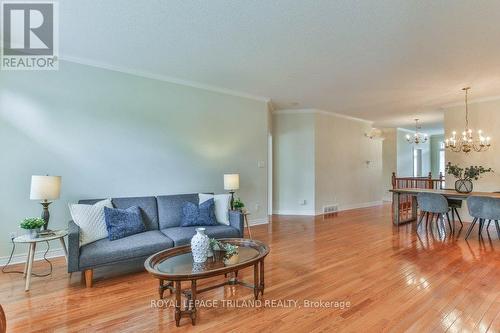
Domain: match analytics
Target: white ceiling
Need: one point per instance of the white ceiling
(381, 60)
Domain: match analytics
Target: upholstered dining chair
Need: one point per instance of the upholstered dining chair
(3, 321)
(455, 205)
(431, 204)
(483, 209)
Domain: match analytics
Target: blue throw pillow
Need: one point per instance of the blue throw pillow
(202, 215)
(123, 222)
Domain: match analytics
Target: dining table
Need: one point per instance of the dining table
(413, 192)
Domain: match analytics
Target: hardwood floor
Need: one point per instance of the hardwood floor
(395, 280)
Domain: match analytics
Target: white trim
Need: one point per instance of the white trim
(164, 78)
(405, 130)
(264, 220)
(21, 258)
(295, 212)
(360, 205)
(317, 111)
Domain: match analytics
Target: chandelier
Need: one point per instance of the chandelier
(417, 137)
(467, 142)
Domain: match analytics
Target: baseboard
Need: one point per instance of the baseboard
(295, 212)
(360, 205)
(22, 257)
(264, 220)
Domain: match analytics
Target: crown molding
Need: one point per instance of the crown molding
(164, 78)
(322, 112)
(405, 130)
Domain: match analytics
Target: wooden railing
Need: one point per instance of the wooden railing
(406, 202)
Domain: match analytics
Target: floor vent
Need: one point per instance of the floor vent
(330, 209)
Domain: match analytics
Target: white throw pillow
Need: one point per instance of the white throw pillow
(222, 205)
(90, 219)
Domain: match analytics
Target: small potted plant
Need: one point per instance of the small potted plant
(238, 204)
(231, 256)
(213, 246)
(33, 225)
(464, 184)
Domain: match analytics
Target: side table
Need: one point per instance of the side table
(245, 214)
(25, 239)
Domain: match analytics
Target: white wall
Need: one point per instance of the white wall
(293, 163)
(321, 158)
(348, 164)
(110, 134)
(484, 116)
(389, 160)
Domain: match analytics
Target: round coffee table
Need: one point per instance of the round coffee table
(175, 265)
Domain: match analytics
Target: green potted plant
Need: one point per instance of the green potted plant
(231, 256)
(33, 225)
(238, 204)
(464, 184)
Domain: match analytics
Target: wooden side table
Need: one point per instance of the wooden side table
(246, 223)
(25, 239)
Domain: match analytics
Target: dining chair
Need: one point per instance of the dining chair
(3, 321)
(433, 204)
(483, 209)
(455, 205)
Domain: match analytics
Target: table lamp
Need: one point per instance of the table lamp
(45, 188)
(232, 183)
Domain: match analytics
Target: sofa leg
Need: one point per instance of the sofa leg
(88, 278)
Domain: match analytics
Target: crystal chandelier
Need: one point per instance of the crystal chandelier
(417, 137)
(467, 142)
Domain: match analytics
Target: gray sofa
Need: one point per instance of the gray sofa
(162, 217)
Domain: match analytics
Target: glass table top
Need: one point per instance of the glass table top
(183, 264)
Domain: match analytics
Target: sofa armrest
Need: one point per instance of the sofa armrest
(236, 220)
(73, 247)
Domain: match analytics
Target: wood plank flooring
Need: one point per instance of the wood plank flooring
(395, 280)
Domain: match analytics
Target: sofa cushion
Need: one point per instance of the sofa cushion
(198, 215)
(123, 222)
(148, 206)
(170, 208)
(91, 220)
(105, 251)
(183, 235)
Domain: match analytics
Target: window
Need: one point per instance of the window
(441, 158)
(417, 162)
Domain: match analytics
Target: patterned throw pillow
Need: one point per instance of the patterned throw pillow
(90, 219)
(202, 215)
(123, 222)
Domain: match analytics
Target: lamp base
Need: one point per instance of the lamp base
(45, 213)
(232, 199)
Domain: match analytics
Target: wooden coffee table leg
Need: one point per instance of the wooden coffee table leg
(193, 302)
(262, 277)
(177, 303)
(160, 289)
(256, 281)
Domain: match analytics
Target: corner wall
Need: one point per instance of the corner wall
(348, 164)
(322, 158)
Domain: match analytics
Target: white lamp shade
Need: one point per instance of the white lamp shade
(45, 187)
(231, 181)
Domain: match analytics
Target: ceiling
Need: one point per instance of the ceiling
(386, 61)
